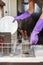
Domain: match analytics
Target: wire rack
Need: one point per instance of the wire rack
(6, 44)
(5, 49)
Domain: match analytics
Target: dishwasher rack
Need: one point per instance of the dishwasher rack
(6, 44)
(5, 49)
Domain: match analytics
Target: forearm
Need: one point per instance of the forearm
(23, 16)
(36, 31)
(27, 13)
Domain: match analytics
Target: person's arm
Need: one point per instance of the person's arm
(27, 13)
(36, 31)
(22, 16)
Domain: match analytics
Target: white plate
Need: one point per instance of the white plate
(7, 25)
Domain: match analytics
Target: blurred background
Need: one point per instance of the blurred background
(12, 7)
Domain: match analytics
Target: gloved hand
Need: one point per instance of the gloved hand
(22, 16)
(36, 31)
(33, 39)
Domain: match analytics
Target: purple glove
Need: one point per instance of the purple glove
(22, 16)
(36, 31)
